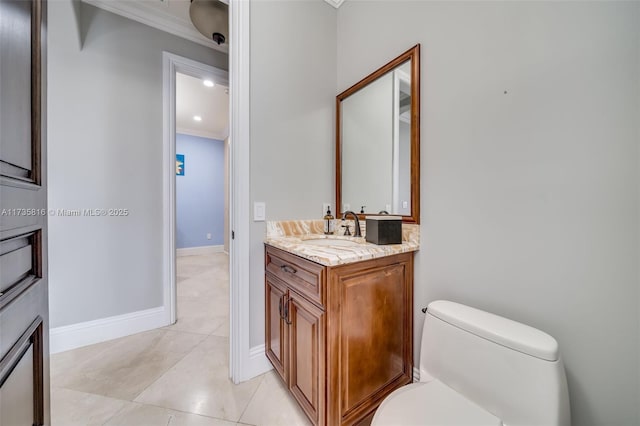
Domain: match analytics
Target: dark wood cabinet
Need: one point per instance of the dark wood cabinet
(340, 337)
(24, 307)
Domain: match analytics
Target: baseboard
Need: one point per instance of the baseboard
(258, 362)
(90, 332)
(416, 374)
(199, 251)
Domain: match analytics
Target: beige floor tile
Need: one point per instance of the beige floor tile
(262, 410)
(73, 408)
(222, 330)
(203, 298)
(135, 414)
(179, 374)
(206, 288)
(204, 285)
(64, 363)
(209, 259)
(125, 368)
(199, 383)
(214, 278)
(190, 266)
(197, 315)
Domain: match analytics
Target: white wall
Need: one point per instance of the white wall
(293, 89)
(105, 151)
(530, 199)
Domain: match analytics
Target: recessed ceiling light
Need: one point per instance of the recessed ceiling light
(197, 118)
(208, 83)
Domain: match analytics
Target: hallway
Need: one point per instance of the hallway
(176, 375)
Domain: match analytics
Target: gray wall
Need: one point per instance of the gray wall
(105, 151)
(293, 89)
(530, 199)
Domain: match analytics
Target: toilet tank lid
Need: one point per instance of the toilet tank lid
(500, 330)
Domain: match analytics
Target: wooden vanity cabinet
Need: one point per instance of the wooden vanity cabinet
(340, 337)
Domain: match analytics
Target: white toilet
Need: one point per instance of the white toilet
(480, 369)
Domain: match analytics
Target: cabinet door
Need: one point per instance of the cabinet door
(307, 359)
(370, 335)
(275, 326)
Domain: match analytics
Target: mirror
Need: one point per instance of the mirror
(378, 141)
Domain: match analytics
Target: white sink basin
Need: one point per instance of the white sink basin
(333, 242)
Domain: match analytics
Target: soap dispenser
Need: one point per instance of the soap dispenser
(328, 222)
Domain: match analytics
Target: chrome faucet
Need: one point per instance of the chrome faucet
(357, 232)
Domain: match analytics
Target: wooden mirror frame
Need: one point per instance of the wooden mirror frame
(412, 55)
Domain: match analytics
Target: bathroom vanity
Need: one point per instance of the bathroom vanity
(339, 329)
(339, 310)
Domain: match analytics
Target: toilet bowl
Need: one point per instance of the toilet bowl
(479, 369)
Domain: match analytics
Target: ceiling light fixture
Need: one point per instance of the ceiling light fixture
(208, 83)
(211, 18)
(197, 118)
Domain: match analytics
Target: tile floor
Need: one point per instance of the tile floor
(174, 376)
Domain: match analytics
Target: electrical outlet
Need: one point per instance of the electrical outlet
(208, 236)
(405, 204)
(347, 207)
(326, 206)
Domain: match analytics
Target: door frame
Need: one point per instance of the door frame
(172, 64)
(242, 365)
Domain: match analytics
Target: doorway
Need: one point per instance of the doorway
(192, 86)
(202, 259)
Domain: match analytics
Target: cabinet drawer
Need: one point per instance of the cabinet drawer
(304, 276)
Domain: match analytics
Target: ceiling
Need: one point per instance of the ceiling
(171, 16)
(211, 103)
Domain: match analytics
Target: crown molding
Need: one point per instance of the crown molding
(335, 3)
(201, 133)
(147, 14)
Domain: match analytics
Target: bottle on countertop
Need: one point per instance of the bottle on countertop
(328, 222)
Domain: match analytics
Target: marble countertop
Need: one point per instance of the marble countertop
(293, 237)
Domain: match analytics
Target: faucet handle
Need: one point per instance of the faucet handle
(362, 209)
(347, 232)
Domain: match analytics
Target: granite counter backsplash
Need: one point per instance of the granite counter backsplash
(290, 236)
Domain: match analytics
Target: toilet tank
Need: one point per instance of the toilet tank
(510, 369)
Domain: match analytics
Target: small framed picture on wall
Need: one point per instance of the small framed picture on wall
(179, 164)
